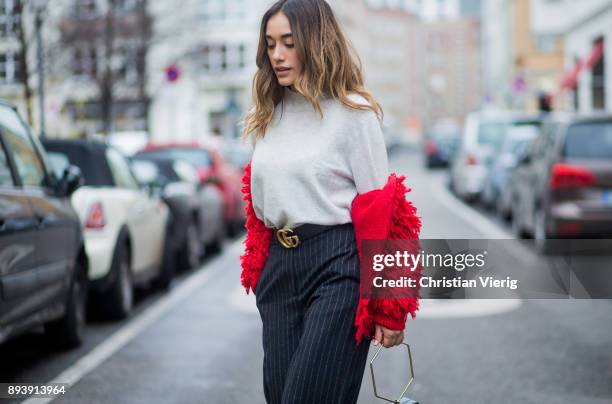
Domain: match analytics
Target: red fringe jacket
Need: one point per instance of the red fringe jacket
(379, 214)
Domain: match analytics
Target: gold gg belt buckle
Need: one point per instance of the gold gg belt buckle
(285, 240)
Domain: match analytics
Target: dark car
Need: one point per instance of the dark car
(563, 185)
(441, 144)
(196, 209)
(43, 266)
(212, 168)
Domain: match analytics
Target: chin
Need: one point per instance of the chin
(286, 82)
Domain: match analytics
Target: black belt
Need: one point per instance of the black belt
(291, 238)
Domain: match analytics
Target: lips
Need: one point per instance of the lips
(282, 69)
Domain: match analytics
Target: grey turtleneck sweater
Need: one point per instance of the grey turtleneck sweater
(308, 169)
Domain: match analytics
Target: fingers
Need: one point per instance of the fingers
(378, 335)
(392, 338)
(388, 338)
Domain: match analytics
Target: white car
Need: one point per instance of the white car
(125, 227)
(483, 135)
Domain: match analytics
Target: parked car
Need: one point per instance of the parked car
(125, 227)
(483, 135)
(496, 190)
(196, 209)
(211, 169)
(440, 145)
(236, 153)
(563, 185)
(43, 266)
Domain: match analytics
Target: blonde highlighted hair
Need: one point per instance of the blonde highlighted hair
(331, 67)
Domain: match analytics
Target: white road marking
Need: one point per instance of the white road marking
(488, 229)
(133, 328)
(465, 308)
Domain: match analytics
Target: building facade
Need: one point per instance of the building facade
(212, 44)
(520, 69)
(586, 29)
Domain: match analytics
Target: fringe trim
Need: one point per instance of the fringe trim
(405, 224)
(257, 241)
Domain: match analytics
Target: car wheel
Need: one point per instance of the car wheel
(230, 229)
(216, 246)
(450, 184)
(119, 299)
(191, 252)
(517, 221)
(68, 331)
(542, 241)
(501, 210)
(164, 279)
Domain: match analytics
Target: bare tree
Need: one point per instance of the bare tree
(20, 9)
(109, 32)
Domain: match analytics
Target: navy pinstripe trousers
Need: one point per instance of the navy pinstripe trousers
(307, 298)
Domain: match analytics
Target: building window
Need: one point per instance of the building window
(84, 61)
(9, 67)
(223, 58)
(598, 82)
(223, 10)
(126, 6)
(546, 44)
(128, 71)
(9, 18)
(85, 9)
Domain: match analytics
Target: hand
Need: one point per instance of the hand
(387, 337)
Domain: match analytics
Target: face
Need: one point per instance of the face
(281, 50)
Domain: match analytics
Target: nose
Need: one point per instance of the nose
(278, 54)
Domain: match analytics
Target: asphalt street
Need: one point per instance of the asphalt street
(201, 343)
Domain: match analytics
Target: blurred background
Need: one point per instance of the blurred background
(183, 71)
(121, 218)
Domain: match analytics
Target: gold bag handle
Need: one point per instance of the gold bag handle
(401, 399)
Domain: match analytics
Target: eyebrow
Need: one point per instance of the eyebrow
(282, 36)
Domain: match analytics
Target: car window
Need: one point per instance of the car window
(492, 134)
(200, 158)
(120, 170)
(186, 172)
(145, 171)
(519, 137)
(589, 140)
(29, 165)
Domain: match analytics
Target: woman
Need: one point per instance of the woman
(317, 145)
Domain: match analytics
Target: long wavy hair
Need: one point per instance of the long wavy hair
(331, 67)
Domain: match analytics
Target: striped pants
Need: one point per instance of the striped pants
(307, 298)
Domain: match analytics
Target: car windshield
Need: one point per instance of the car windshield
(492, 133)
(94, 169)
(518, 137)
(589, 140)
(198, 157)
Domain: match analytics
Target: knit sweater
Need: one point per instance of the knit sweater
(377, 215)
(308, 168)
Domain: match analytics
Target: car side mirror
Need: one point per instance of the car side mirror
(71, 180)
